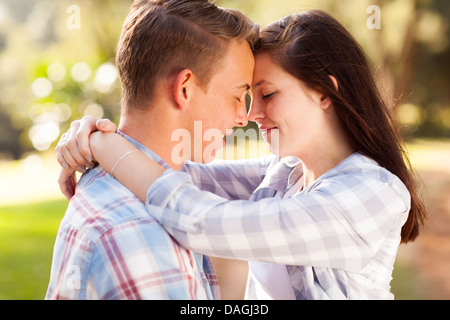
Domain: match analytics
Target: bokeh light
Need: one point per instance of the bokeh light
(105, 78)
(80, 72)
(41, 87)
(56, 71)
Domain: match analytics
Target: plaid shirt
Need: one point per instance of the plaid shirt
(338, 237)
(110, 247)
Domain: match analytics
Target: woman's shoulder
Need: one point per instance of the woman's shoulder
(362, 167)
(360, 177)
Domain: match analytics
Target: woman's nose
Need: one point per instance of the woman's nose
(256, 112)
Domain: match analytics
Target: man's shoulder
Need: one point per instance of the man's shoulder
(101, 204)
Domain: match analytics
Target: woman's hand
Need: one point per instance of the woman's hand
(73, 150)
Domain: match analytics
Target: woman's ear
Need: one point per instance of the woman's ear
(325, 101)
(181, 88)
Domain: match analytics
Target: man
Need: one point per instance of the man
(180, 62)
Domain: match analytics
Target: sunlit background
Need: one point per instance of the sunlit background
(57, 64)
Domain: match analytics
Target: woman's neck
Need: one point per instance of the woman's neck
(316, 166)
(325, 153)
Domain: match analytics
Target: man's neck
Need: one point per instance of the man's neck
(152, 131)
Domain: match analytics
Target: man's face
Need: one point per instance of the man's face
(222, 105)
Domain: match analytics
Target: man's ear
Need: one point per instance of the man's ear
(336, 84)
(182, 88)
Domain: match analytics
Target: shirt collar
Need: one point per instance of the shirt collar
(286, 170)
(149, 153)
(296, 170)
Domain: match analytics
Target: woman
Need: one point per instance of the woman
(327, 227)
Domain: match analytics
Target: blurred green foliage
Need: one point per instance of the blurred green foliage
(57, 61)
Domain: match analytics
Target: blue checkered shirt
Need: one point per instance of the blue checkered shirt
(110, 247)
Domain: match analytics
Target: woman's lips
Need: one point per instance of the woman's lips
(267, 129)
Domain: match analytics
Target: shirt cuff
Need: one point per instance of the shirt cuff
(161, 206)
(162, 190)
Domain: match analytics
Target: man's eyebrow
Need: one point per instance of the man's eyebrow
(245, 86)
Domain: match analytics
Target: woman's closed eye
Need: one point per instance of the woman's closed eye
(267, 96)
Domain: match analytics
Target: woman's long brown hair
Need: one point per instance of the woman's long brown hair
(311, 46)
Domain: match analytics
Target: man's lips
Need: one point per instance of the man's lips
(228, 132)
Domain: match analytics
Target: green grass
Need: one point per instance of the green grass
(27, 235)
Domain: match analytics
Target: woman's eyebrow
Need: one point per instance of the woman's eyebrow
(260, 83)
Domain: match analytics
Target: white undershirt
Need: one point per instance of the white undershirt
(270, 281)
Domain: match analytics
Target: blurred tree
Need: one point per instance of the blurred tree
(10, 136)
(430, 83)
(414, 64)
(51, 73)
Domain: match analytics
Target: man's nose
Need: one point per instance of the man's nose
(241, 116)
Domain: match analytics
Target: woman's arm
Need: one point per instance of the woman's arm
(231, 179)
(330, 226)
(117, 156)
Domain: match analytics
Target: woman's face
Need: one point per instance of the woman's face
(288, 114)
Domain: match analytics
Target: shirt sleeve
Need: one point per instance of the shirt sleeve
(230, 179)
(337, 224)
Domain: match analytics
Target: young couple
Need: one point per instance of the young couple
(321, 219)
